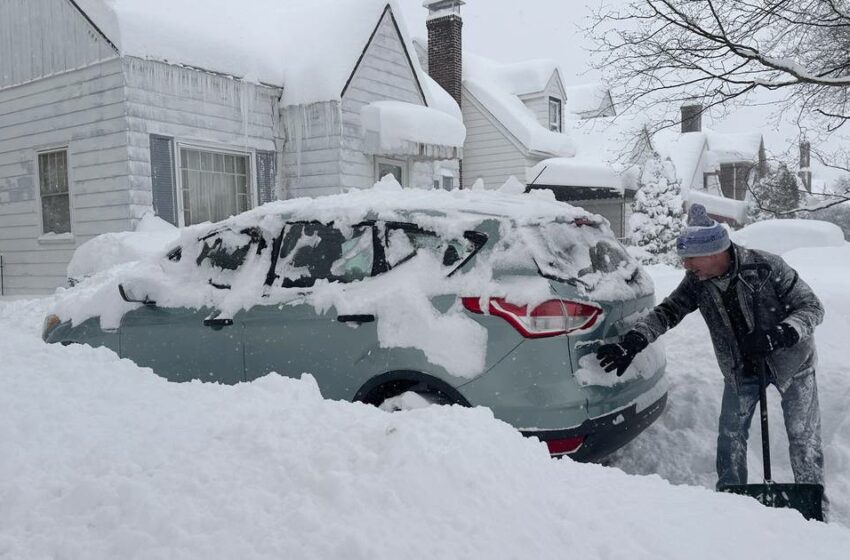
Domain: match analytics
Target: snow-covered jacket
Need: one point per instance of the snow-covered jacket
(784, 298)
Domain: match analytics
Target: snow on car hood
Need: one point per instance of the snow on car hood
(401, 299)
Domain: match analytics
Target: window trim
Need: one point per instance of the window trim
(51, 237)
(560, 105)
(405, 174)
(178, 170)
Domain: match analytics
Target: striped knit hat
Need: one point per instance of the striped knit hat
(703, 236)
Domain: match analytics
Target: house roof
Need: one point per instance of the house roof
(310, 47)
(589, 100)
(497, 88)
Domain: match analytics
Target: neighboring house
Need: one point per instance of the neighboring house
(515, 119)
(715, 169)
(112, 109)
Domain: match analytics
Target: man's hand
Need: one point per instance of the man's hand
(619, 356)
(765, 342)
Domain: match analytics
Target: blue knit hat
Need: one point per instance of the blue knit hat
(703, 236)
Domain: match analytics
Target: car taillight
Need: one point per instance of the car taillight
(550, 318)
(564, 446)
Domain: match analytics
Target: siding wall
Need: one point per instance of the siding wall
(82, 110)
(41, 38)
(384, 73)
(198, 108)
(488, 153)
(311, 155)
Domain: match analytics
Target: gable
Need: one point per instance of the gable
(47, 37)
(555, 88)
(385, 69)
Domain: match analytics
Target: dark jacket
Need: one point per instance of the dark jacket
(785, 298)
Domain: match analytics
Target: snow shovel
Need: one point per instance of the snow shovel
(805, 498)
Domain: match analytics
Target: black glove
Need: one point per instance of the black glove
(765, 342)
(619, 356)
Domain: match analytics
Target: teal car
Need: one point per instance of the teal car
(536, 371)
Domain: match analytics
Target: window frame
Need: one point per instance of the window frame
(738, 168)
(47, 236)
(215, 149)
(405, 175)
(555, 102)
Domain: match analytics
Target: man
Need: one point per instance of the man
(788, 312)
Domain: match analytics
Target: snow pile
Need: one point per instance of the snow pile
(152, 236)
(401, 297)
(718, 205)
(102, 459)
(782, 236)
(498, 87)
(397, 125)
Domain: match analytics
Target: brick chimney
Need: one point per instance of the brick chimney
(444, 44)
(805, 172)
(692, 117)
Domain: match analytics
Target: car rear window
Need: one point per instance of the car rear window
(581, 254)
(404, 241)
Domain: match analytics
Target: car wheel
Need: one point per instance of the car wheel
(411, 400)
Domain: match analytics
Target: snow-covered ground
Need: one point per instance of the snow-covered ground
(103, 459)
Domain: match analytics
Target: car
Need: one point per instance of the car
(390, 296)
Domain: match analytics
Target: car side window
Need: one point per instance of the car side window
(404, 241)
(223, 252)
(313, 251)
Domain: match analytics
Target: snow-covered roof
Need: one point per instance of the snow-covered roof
(498, 87)
(589, 100)
(718, 205)
(577, 172)
(692, 152)
(398, 128)
(685, 151)
(733, 147)
(310, 47)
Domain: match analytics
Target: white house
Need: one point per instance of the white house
(714, 168)
(112, 109)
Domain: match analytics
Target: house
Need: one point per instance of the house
(516, 121)
(113, 109)
(715, 169)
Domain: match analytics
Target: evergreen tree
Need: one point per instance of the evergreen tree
(657, 212)
(775, 195)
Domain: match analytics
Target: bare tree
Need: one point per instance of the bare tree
(718, 52)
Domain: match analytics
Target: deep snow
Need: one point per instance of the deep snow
(102, 459)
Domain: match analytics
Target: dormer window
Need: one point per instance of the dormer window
(555, 114)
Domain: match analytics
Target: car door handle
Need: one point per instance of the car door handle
(355, 318)
(218, 323)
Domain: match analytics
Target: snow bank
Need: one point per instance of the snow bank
(102, 459)
(782, 236)
(151, 238)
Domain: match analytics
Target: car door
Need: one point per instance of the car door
(183, 344)
(293, 337)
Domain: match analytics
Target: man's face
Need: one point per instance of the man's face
(709, 266)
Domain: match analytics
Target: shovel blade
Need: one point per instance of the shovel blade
(805, 498)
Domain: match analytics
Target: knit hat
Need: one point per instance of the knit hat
(703, 236)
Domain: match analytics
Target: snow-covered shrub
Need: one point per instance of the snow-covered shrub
(657, 212)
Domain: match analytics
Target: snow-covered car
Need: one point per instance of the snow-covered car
(389, 296)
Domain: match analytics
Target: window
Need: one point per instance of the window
(53, 187)
(312, 251)
(214, 185)
(224, 252)
(405, 241)
(734, 179)
(448, 182)
(397, 169)
(555, 114)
